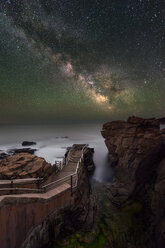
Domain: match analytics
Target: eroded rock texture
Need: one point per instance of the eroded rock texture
(137, 151)
(24, 165)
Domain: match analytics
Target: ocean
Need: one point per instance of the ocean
(53, 140)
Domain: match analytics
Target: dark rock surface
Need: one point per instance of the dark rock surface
(11, 152)
(137, 151)
(28, 143)
(88, 160)
(3, 155)
(161, 120)
(22, 150)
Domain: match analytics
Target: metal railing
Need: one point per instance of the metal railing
(18, 186)
(9, 191)
(71, 179)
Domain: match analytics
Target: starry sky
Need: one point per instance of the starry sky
(88, 60)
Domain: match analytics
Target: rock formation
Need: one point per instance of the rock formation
(24, 165)
(22, 150)
(28, 143)
(161, 120)
(88, 160)
(137, 151)
(11, 152)
(3, 155)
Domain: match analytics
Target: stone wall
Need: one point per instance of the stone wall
(20, 214)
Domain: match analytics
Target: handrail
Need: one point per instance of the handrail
(47, 186)
(21, 180)
(69, 176)
(66, 177)
(22, 189)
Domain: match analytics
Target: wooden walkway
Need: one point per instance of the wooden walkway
(27, 208)
(68, 173)
(74, 157)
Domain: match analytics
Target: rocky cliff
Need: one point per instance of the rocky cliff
(137, 151)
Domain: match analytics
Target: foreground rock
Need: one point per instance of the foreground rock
(24, 165)
(11, 152)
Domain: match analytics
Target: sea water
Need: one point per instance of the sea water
(53, 140)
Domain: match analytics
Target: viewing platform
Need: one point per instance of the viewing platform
(68, 170)
(34, 199)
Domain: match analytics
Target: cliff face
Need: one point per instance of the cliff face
(137, 151)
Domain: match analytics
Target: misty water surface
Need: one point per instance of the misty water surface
(52, 142)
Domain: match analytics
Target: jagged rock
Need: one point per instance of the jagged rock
(135, 148)
(88, 160)
(28, 143)
(137, 151)
(11, 152)
(3, 155)
(24, 165)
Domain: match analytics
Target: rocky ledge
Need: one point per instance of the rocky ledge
(24, 165)
(137, 151)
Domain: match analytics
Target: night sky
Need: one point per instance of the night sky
(69, 61)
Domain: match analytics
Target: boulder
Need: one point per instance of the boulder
(24, 165)
(28, 143)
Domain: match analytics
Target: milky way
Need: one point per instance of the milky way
(81, 60)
